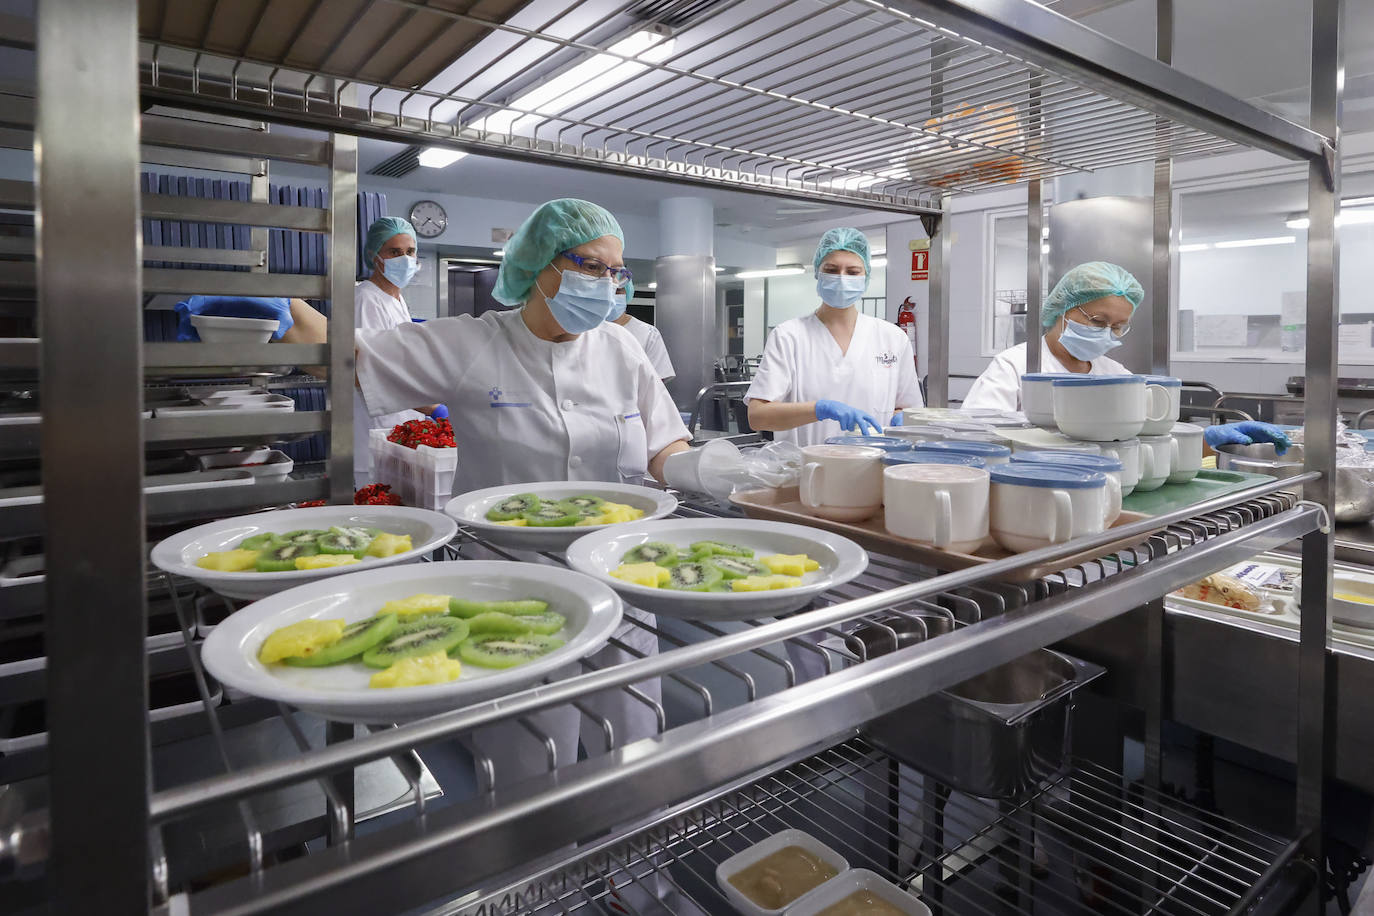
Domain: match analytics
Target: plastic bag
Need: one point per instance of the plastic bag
(773, 464)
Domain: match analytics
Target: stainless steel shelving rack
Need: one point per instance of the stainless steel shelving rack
(929, 99)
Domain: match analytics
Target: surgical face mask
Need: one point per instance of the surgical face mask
(619, 308)
(401, 269)
(582, 302)
(1086, 342)
(840, 291)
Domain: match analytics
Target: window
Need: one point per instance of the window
(1004, 307)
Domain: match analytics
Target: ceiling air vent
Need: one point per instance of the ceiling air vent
(399, 165)
(673, 13)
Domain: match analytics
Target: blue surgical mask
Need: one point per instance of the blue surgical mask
(1086, 342)
(401, 269)
(619, 308)
(840, 291)
(582, 302)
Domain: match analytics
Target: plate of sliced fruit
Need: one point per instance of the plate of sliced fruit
(252, 556)
(551, 515)
(396, 644)
(718, 569)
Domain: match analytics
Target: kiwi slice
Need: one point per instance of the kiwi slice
(419, 637)
(261, 541)
(460, 607)
(652, 552)
(545, 624)
(354, 541)
(513, 507)
(494, 651)
(739, 567)
(356, 639)
(494, 622)
(584, 506)
(719, 549)
(282, 557)
(303, 536)
(693, 577)
(551, 515)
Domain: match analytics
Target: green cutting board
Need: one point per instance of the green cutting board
(1206, 485)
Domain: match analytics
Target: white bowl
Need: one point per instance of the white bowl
(217, 329)
(840, 558)
(428, 531)
(470, 509)
(762, 850)
(1347, 613)
(852, 881)
(340, 692)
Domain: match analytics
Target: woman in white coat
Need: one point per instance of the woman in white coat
(836, 369)
(646, 334)
(545, 391)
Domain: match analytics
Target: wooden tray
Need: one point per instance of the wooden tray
(785, 505)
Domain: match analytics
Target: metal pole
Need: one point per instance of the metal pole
(1161, 305)
(1035, 259)
(343, 260)
(1316, 708)
(90, 302)
(937, 379)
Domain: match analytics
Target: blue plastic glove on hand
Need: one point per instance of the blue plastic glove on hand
(1247, 433)
(896, 419)
(232, 307)
(440, 412)
(848, 417)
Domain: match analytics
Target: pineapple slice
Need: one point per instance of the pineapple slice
(764, 583)
(300, 640)
(420, 605)
(326, 561)
(650, 575)
(229, 560)
(516, 523)
(437, 668)
(790, 564)
(388, 545)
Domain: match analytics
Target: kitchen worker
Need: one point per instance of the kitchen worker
(645, 333)
(1085, 316)
(834, 370)
(548, 390)
(389, 251)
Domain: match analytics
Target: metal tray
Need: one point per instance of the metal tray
(784, 505)
(1206, 485)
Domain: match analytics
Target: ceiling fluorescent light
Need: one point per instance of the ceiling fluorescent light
(653, 286)
(1199, 246)
(1258, 243)
(773, 272)
(500, 252)
(878, 263)
(1345, 218)
(1357, 202)
(438, 157)
(718, 269)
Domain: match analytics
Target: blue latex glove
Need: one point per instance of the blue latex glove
(1247, 433)
(232, 307)
(848, 417)
(896, 419)
(440, 412)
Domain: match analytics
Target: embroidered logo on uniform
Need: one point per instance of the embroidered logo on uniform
(494, 394)
(887, 359)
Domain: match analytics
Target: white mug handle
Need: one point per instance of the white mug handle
(812, 479)
(944, 519)
(1113, 500)
(1147, 462)
(1063, 517)
(1173, 453)
(1150, 395)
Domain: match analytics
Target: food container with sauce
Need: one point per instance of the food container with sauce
(741, 863)
(859, 886)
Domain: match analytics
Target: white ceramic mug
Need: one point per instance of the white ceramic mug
(943, 505)
(1031, 506)
(842, 482)
(1156, 462)
(1128, 453)
(1107, 408)
(1037, 397)
(1174, 389)
(1187, 452)
(1103, 464)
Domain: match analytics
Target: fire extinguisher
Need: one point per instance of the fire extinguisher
(906, 320)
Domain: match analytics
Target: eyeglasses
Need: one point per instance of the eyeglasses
(1097, 321)
(595, 268)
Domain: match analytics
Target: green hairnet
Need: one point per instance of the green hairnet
(844, 239)
(383, 228)
(550, 230)
(1088, 283)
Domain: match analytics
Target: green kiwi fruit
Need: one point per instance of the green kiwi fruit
(460, 607)
(356, 639)
(282, 557)
(738, 567)
(261, 541)
(545, 624)
(583, 505)
(693, 577)
(495, 651)
(513, 507)
(719, 549)
(353, 541)
(652, 552)
(303, 536)
(501, 624)
(551, 515)
(419, 637)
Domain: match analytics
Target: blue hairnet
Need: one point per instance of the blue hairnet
(553, 228)
(383, 228)
(843, 239)
(1088, 283)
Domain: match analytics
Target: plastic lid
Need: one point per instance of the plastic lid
(920, 456)
(1086, 380)
(1075, 459)
(886, 443)
(1045, 376)
(968, 447)
(1168, 381)
(1040, 475)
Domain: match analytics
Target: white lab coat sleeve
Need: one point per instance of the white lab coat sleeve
(373, 314)
(657, 351)
(413, 364)
(998, 388)
(908, 385)
(773, 378)
(662, 423)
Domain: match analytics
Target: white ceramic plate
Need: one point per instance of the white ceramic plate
(840, 558)
(428, 530)
(471, 509)
(340, 692)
